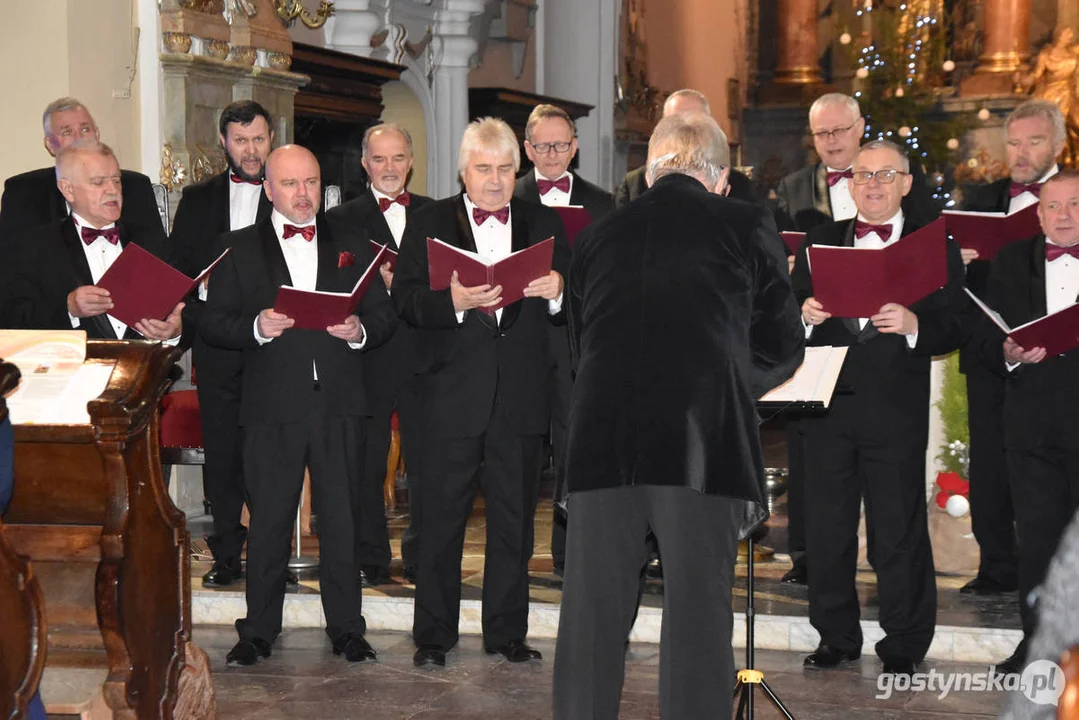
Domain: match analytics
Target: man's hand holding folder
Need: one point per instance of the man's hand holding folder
(321, 310)
(476, 283)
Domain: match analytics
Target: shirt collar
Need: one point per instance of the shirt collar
(567, 173)
(279, 221)
(896, 221)
(1050, 173)
(81, 223)
(379, 194)
(828, 168)
(469, 205)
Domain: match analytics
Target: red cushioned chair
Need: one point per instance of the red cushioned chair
(181, 429)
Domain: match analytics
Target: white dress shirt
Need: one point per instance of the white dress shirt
(843, 207)
(243, 203)
(1061, 285)
(1026, 198)
(100, 255)
(301, 257)
(873, 241)
(395, 215)
(494, 241)
(554, 196)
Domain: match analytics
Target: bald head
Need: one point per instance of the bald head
(294, 183)
(686, 102)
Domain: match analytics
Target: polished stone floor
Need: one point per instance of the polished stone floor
(304, 680)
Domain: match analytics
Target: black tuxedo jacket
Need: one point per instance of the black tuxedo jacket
(1041, 401)
(635, 183)
(681, 315)
(389, 366)
(803, 200)
(463, 367)
(47, 264)
(202, 214)
(278, 385)
(363, 212)
(888, 379)
(32, 199)
(596, 201)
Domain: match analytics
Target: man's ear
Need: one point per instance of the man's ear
(67, 189)
(722, 187)
(49, 147)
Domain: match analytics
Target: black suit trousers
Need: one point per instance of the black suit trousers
(410, 415)
(796, 472)
(846, 463)
(507, 468)
(561, 390)
(217, 374)
(991, 511)
(1045, 489)
(608, 531)
(275, 456)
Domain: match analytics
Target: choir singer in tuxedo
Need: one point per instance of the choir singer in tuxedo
(681, 315)
(484, 380)
(54, 268)
(302, 401)
(384, 211)
(231, 200)
(871, 443)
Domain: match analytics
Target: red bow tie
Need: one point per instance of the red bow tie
(1052, 252)
(238, 180)
(90, 234)
(861, 229)
(835, 176)
(1017, 189)
(480, 215)
(545, 186)
(384, 203)
(308, 232)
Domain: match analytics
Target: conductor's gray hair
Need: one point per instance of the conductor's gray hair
(692, 145)
(904, 161)
(492, 135)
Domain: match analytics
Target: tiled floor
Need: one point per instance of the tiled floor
(304, 680)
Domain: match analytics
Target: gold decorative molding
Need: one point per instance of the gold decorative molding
(173, 173)
(216, 48)
(243, 54)
(177, 42)
(292, 10)
(279, 61)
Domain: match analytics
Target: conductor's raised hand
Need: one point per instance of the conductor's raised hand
(469, 298)
(88, 301)
(894, 318)
(350, 330)
(813, 312)
(548, 287)
(1013, 353)
(166, 329)
(272, 324)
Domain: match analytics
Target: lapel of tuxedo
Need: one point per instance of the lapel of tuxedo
(379, 228)
(327, 257)
(98, 324)
(577, 193)
(265, 207)
(1038, 305)
(519, 230)
(1005, 199)
(465, 239)
(57, 204)
(275, 259)
(822, 198)
(530, 189)
(222, 203)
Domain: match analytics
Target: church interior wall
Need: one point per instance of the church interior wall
(404, 108)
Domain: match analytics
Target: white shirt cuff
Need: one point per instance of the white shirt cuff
(912, 340)
(363, 339)
(171, 342)
(461, 316)
(1011, 366)
(258, 336)
(555, 306)
(74, 320)
(204, 291)
(809, 329)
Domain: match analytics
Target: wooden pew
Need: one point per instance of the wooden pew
(22, 639)
(109, 548)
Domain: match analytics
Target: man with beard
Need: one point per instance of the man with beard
(302, 403)
(229, 201)
(383, 211)
(32, 198)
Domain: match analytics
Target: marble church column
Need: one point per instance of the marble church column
(1005, 47)
(796, 50)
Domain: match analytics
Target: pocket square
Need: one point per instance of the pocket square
(346, 259)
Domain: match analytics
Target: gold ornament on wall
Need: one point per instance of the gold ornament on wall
(292, 10)
(1053, 78)
(173, 172)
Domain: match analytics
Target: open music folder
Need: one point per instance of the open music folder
(812, 385)
(390, 257)
(512, 272)
(855, 282)
(1056, 332)
(142, 285)
(319, 309)
(793, 240)
(988, 232)
(574, 219)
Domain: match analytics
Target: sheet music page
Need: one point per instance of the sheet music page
(815, 379)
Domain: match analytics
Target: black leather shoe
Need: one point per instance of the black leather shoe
(222, 574)
(410, 573)
(1017, 662)
(374, 575)
(516, 651)
(429, 655)
(292, 579)
(826, 656)
(355, 648)
(982, 585)
(895, 665)
(797, 575)
(247, 652)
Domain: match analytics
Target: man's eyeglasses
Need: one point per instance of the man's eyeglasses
(547, 147)
(831, 134)
(884, 177)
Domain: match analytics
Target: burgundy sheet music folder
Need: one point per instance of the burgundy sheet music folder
(512, 272)
(317, 309)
